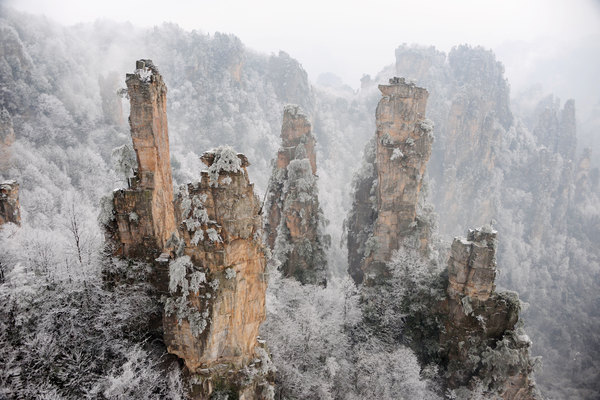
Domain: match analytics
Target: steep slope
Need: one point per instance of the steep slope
(487, 164)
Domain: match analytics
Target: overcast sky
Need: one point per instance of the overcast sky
(350, 37)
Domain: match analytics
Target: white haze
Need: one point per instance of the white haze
(351, 38)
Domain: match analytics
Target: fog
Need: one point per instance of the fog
(352, 38)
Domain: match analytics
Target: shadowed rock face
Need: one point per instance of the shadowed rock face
(219, 221)
(294, 217)
(481, 341)
(9, 203)
(402, 149)
(144, 213)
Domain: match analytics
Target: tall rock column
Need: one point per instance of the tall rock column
(402, 149)
(9, 203)
(217, 282)
(144, 213)
(294, 216)
(483, 343)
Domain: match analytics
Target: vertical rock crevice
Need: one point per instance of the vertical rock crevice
(293, 224)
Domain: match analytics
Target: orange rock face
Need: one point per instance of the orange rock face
(402, 149)
(9, 203)
(294, 217)
(220, 223)
(144, 213)
(211, 267)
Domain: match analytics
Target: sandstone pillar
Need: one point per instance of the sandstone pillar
(483, 342)
(402, 149)
(294, 216)
(144, 213)
(217, 282)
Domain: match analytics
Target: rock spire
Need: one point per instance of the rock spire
(293, 224)
(384, 212)
(144, 213)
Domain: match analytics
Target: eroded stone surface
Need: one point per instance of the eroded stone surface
(472, 265)
(205, 247)
(294, 217)
(220, 223)
(144, 213)
(402, 149)
(482, 342)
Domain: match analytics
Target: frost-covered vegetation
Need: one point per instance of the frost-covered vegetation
(336, 355)
(226, 160)
(185, 280)
(74, 326)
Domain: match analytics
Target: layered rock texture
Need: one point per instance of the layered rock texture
(144, 213)
(482, 342)
(220, 224)
(9, 203)
(210, 241)
(386, 199)
(293, 224)
(472, 265)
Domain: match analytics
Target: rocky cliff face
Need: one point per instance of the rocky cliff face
(220, 224)
(144, 213)
(210, 241)
(471, 110)
(519, 170)
(402, 149)
(284, 68)
(482, 344)
(294, 218)
(556, 128)
(472, 265)
(9, 203)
